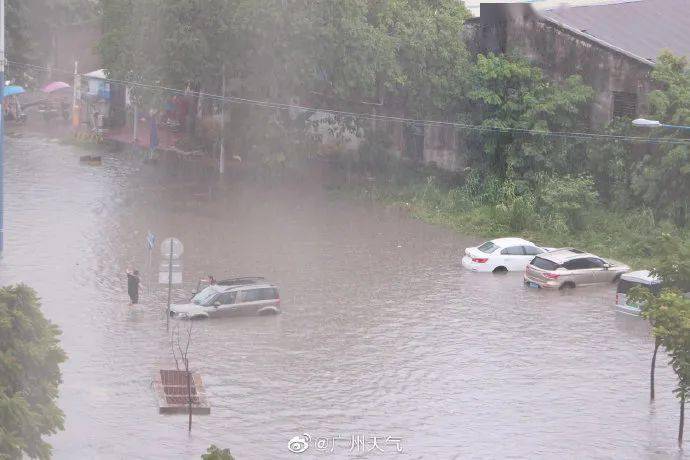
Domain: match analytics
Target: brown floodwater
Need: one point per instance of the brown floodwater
(382, 334)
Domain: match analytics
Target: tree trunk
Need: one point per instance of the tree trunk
(682, 420)
(657, 344)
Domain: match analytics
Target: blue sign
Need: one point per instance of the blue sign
(150, 240)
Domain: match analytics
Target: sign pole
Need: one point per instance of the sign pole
(167, 316)
(221, 161)
(171, 248)
(148, 273)
(135, 125)
(150, 242)
(75, 97)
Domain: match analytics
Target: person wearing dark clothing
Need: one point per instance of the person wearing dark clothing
(133, 286)
(153, 131)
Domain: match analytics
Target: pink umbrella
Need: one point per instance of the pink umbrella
(55, 86)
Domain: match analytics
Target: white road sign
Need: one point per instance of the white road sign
(177, 247)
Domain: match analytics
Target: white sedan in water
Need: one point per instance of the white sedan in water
(501, 255)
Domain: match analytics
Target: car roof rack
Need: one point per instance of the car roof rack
(241, 280)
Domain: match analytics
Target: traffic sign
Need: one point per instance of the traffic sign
(177, 247)
(151, 240)
(165, 278)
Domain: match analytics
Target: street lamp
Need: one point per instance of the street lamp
(644, 123)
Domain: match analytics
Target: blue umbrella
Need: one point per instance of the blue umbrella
(13, 90)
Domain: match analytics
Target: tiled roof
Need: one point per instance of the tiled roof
(642, 28)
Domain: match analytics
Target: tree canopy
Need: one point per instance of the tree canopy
(512, 94)
(662, 178)
(30, 355)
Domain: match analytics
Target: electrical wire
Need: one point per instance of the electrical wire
(369, 116)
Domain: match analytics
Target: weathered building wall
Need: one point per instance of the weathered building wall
(620, 81)
(441, 147)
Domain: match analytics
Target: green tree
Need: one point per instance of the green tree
(408, 53)
(24, 18)
(30, 355)
(672, 263)
(565, 199)
(512, 94)
(672, 266)
(216, 453)
(406, 50)
(670, 317)
(432, 61)
(611, 162)
(662, 178)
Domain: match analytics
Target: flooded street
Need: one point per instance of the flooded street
(382, 333)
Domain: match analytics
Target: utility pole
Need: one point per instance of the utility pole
(2, 124)
(221, 161)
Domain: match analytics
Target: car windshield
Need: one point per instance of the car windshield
(544, 264)
(205, 297)
(487, 247)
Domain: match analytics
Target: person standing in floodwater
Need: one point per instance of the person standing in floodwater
(133, 281)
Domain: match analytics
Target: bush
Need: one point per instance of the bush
(374, 152)
(514, 211)
(216, 453)
(566, 199)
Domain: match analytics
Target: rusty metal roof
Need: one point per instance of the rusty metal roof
(641, 28)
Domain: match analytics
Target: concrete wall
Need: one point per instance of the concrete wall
(441, 147)
(560, 52)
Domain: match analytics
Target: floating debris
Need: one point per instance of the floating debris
(93, 160)
(172, 393)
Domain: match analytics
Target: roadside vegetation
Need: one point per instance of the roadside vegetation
(495, 210)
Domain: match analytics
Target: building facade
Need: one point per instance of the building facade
(612, 46)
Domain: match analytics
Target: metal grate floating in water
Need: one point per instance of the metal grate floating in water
(174, 395)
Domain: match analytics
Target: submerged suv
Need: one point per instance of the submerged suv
(252, 298)
(567, 268)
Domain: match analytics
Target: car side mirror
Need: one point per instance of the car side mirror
(607, 266)
(216, 304)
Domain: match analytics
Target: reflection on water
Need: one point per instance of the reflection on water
(383, 333)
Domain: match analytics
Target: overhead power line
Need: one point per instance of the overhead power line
(369, 116)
